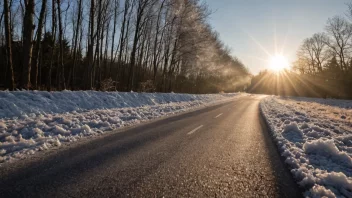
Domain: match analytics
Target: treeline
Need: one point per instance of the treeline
(323, 67)
(291, 83)
(140, 45)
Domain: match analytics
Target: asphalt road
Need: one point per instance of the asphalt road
(219, 151)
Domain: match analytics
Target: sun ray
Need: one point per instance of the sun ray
(262, 80)
(255, 57)
(285, 41)
(257, 43)
(275, 39)
(293, 85)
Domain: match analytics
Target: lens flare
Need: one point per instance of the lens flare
(278, 63)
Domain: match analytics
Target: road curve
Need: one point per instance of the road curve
(219, 151)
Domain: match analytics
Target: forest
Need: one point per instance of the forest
(323, 67)
(114, 45)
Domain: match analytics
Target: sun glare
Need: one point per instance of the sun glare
(278, 63)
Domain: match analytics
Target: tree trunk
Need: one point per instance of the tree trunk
(113, 34)
(156, 51)
(122, 41)
(39, 41)
(140, 13)
(28, 27)
(61, 47)
(106, 74)
(100, 33)
(53, 40)
(9, 43)
(75, 44)
(90, 53)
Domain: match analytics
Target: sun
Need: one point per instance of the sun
(278, 63)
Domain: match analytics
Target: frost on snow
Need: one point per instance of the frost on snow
(315, 137)
(33, 121)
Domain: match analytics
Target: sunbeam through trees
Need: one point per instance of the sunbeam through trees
(139, 45)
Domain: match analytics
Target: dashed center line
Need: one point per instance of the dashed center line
(218, 115)
(194, 130)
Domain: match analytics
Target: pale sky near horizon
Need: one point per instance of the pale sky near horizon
(244, 25)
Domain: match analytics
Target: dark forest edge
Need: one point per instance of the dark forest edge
(323, 67)
(108, 45)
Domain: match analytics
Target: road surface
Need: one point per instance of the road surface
(219, 151)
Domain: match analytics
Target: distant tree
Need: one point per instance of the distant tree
(332, 68)
(320, 52)
(340, 32)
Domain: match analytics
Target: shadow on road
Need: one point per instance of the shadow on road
(286, 185)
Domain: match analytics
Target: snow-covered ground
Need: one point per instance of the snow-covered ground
(315, 137)
(32, 121)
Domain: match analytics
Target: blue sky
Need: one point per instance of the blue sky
(245, 24)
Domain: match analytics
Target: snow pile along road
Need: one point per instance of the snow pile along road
(315, 137)
(32, 121)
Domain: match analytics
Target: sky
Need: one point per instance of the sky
(251, 27)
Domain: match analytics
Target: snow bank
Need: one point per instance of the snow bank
(315, 137)
(32, 121)
(29, 103)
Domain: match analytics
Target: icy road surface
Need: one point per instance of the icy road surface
(219, 151)
(36, 121)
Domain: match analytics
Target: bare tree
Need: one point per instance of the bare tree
(76, 34)
(314, 52)
(38, 42)
(139, 24)
(116, 11)
(340, 32)
(61, 68)
(122, 41)
(163, 45)
(91, 41)
(128, 10)
(53, 40)
(9, 43)
(157, 42)
(28, 27)
(321, 55)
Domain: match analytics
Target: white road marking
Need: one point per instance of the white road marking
(218, 115)
(194, 130)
